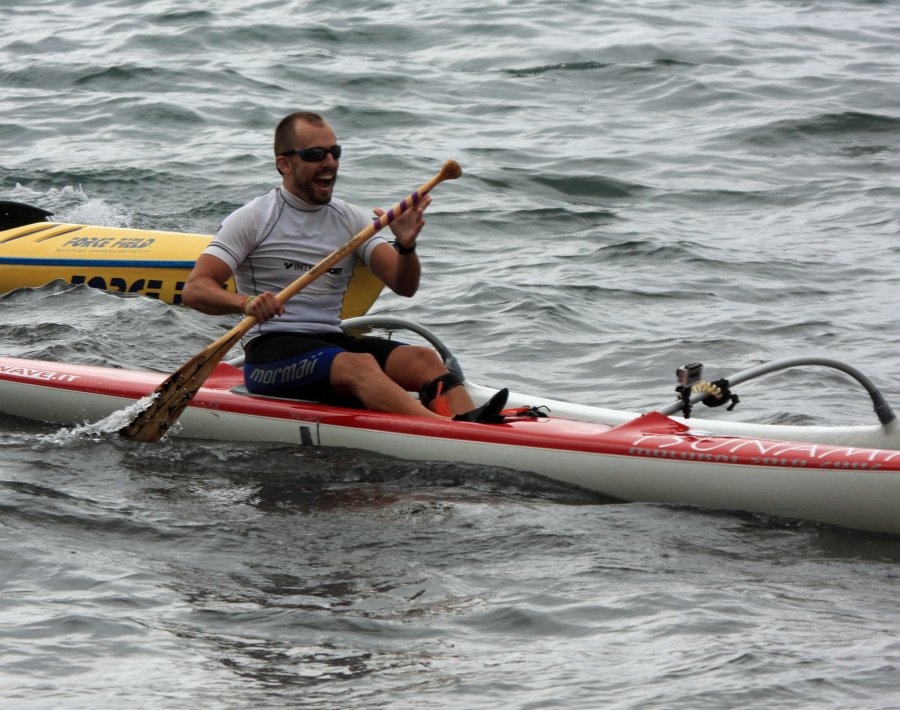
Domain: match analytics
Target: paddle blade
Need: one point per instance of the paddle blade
(174, 394)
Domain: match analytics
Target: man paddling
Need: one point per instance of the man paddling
(299, 349)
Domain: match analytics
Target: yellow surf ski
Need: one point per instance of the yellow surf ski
(151, 263)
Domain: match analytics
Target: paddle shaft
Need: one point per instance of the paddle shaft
(174, 394)
(283, 296)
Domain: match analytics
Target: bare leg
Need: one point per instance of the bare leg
(412, 367)
(358, 374)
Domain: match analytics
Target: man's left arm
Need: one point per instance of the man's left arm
(399, 267)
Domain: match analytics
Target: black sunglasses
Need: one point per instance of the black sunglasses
(315, 155)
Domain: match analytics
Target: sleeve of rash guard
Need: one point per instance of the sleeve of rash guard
(236, 237)
(363, 220)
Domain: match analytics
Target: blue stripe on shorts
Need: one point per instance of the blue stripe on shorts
(288, 377)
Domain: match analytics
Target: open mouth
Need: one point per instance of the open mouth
(324, 181)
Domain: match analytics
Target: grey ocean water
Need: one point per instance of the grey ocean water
(646, 184)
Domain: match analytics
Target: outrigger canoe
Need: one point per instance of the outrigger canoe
(846, 476)
(152, 263)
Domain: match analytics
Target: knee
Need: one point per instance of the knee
(421, 358)
(414, 366)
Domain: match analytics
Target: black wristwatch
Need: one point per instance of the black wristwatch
(404, 250)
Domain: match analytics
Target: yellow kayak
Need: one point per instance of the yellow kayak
(34, 252)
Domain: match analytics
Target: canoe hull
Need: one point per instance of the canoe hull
(651, 458)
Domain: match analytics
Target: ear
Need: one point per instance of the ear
(282, 164)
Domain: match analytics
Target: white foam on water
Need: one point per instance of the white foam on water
(72, 204)
(110, 424)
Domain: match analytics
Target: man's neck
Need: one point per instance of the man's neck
(296, 201)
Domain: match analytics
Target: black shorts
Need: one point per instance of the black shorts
(298, 366)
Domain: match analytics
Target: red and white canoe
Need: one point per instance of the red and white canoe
(845, 476)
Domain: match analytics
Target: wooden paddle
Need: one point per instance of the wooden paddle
(174, 394)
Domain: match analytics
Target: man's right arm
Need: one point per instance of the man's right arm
(204, 289)
(204, 292)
